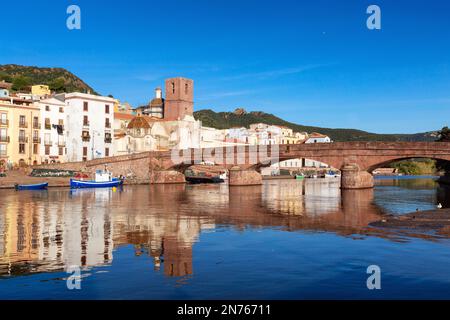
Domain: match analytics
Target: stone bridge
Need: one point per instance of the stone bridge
(356, 160)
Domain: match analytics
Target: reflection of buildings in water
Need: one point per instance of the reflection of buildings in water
(309, 197)
(52, 237)
(167, 238)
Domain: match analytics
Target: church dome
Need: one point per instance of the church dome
(139, 123)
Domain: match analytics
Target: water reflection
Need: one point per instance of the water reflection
(49, 231)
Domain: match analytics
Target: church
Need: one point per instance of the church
(165, 123)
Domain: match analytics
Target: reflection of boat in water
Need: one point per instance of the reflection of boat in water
(39, 186)
(103, 179)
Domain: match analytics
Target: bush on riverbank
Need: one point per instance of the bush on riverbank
(416, 167)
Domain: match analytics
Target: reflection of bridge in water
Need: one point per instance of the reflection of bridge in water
(53, 230)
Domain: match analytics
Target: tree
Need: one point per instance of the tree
(20, 83)
(5, 77)
(58, 85)
(444, 136)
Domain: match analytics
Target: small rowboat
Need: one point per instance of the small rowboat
(79, 184)
(40, 186)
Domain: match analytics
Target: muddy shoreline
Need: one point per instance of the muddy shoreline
(433, 222)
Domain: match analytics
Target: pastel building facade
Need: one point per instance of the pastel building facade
(52, 128)
(19, 132)
(88, 126)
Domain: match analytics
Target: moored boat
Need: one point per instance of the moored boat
(204, 179)
(299, 176)
(38, 186)
(103, 179)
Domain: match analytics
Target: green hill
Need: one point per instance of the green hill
(58, 79)
(241, 118)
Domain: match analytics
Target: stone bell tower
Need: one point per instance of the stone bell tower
(179, 100)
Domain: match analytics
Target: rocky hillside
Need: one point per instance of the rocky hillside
(242, 118)
(58, 79)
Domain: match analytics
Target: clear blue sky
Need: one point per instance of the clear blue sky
(310, 62)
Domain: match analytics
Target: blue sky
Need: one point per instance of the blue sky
(310, 62)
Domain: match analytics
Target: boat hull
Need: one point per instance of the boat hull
(79, 184)
(39, 186)
(199, 180)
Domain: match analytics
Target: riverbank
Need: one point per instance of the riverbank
(428, 222)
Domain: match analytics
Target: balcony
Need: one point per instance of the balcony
(36, 125)
(48, 126)
(108, 140)
(36, 140)
(4, 139)
(108, 125)
(23, 140)
(23, 125)
(4, 123)
(86, 138)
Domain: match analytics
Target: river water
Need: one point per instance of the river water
(286, 239)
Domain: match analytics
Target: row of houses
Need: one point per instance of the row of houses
(41, 127)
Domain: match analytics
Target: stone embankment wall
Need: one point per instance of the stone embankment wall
(134, 167)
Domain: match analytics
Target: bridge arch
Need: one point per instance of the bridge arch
(392, 159)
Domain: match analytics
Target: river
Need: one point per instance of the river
(286, 239)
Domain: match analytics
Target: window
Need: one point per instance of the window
(85, 106)
(48, 126)
(2, 149)
(186, 88)
(35, 148)
(85, 151)
(47, 150)
(107, 123)
(3, 118)
(3, 135)
(61, 109)
(47, 108)
(173, 87)
(106, 152)
(85, 120)
(22, 121)
(22, 136)
(61, 151)
(21, 148)
(47, 139)
(107, 108)
(36, 122)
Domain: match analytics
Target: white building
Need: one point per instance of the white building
(89, 126)
(52, 135)
(318, 138)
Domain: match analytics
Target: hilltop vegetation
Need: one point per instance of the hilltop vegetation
(58, 79)
(241, 118)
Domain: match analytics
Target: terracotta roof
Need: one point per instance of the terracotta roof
(317, 135)
(5, 85)
(139, 122)
(123, 116)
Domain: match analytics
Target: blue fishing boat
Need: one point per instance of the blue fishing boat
(103, 179)
(39, 186)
